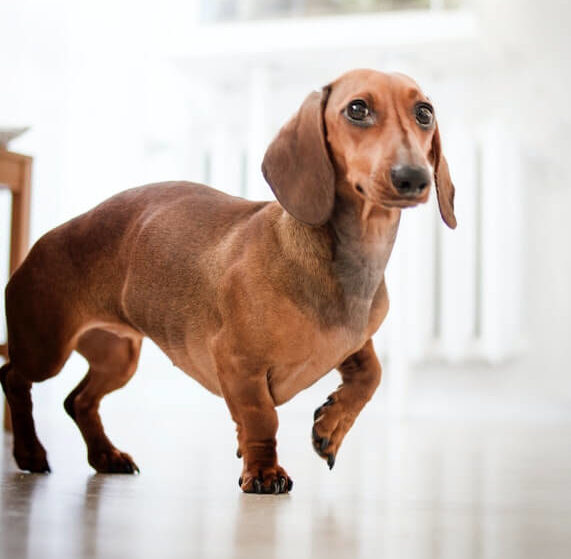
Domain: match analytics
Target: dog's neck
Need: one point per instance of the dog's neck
(363, 238)
(346, 258)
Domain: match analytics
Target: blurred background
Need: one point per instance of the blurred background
(464, 451)
(119, 93)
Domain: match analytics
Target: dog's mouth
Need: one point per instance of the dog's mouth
(386, 196)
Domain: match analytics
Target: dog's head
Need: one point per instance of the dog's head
(370, 133)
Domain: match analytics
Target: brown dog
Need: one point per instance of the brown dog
(255, 300)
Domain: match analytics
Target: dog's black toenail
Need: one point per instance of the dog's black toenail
(238, 454)
(240, 481)
(257, 486)
(331, 461)
(289, 484)
(315, 435)
(275, 487)
(324, 444)
(283, 482)
(329, 402)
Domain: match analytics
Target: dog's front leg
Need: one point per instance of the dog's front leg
(361, 374)
(250, 402)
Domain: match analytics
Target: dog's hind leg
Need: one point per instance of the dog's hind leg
(29, 453)
(112, 362)
(43, 320)
(38, 349)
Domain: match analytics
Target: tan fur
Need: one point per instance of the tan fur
(254, 300)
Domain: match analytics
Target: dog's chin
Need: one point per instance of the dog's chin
(400, 202)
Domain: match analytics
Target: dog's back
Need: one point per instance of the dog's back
(139, 241)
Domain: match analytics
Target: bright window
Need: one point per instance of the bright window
(229, 10)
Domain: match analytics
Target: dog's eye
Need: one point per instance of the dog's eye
(424, 115)
(358, 112)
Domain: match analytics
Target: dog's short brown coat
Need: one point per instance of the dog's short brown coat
(255, 300)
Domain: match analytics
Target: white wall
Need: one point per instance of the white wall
(534, 40)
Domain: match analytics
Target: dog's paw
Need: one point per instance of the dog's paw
(330, 425)
(266, 481)
(36, 462)
(113, 461)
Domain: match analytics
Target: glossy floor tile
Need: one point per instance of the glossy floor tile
(421, 488)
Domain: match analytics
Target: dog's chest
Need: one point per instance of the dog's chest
(306, 353)
(284, 342)
(305, 365)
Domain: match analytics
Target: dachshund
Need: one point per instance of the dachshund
(254, 300)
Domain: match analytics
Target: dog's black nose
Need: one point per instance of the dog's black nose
(410, 180)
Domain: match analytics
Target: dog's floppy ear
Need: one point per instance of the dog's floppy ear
(297, 165)
(444, 186)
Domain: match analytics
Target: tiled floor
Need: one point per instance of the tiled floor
(421, 488)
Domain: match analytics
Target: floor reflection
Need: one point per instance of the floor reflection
(16, 513)
(416, 489)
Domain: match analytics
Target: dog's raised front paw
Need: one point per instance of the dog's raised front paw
(267, 481)
(330, 426)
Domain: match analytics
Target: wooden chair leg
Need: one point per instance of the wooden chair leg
(19, 235)
(20, 229)
(7, 415)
